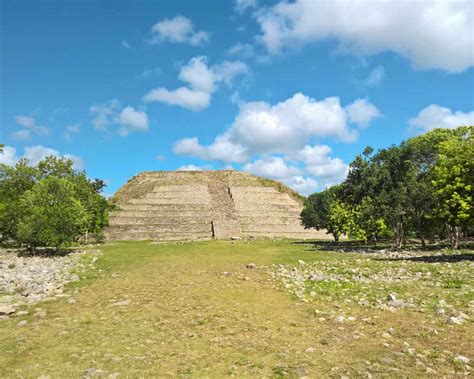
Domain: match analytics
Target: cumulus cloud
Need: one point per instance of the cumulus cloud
(271, 167)
(283, 128)
(242, 50)
(35, 154)
(362, 112)
(191, 167)
(127, 119)
(375, 77)
(372, 27)
(303, 185)
(436, 116)
(179, 29)
(222, 149)
(29, 127)
(132, 120)
(202, 80)
(242, 5)
(8, 156)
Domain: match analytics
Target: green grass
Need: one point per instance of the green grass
(195, 310)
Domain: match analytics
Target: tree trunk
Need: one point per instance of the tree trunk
(399, 235)
(336, 238)
(455, 233)
(423, 242)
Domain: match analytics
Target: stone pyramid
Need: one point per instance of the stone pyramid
(193, 205)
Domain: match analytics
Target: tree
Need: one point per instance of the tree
(340, 219)
(51, 214)
(367, 225)
(453, 183)
(316, 208)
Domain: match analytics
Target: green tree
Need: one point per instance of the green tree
(453, 183)
(367, 225)
(51, 214)
(316, 208)
(340, 219)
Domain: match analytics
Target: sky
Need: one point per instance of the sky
(290, 90)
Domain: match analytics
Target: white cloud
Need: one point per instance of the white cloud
(203, 82)
(104, 114)
(283, 128)
(362, 112)
(127, 119)
(221, 150)
(432, 34)
(191, 167)
(271, 167)
(126, 45)
(21, 135)
(132, 120)
(435, 116)
(303, 185)
(8, 156)
(179, 29)
(35, 154)
(242, 5)
(29, 127)
(71, 131)
(242, 50)
(375, 77)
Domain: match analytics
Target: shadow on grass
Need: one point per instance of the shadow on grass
(382, 246)
(444, 258)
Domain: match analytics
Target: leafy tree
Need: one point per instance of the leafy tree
(367, 225)
(316, 208)
(51, 214)
(453, 183)
(340, 219)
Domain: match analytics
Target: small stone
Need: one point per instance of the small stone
(312, 294)
(21, 313)
(22, 323)
(351, 318)
(391, 297)
(6, 309)
(455, 320)
(310, 350)
(71, 300)
(40, 314)
(75, 278)
(462, 359)
(301, 263)
(339, 319)
(251, 265)
(429, 370)
(386, 335)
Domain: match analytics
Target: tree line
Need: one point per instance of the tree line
(50, 204)
(422, 188)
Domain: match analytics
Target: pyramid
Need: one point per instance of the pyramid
(200, 205)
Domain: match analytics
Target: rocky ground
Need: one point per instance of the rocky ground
(29, 279)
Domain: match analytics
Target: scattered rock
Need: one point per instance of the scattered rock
(22, 323)
(6, 309)
(310, 350)
(75, 278)
(391, 297)
(462, 359)
(251, 265)
(22, 313)
(301, 262)
(455, 320)
(339, 319)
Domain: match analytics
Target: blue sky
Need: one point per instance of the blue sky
(289, 90)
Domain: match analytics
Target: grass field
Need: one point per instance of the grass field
(196, 310)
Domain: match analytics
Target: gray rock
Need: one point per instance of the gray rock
(462, 359)
(75, 278)
(251, 265)
(455, 320)
(391, 297)
(6, 309)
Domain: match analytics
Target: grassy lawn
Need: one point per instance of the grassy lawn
(195, 310)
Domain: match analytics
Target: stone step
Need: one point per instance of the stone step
(262, 207)
(277, 228)
(152, 201)
(282, 220)
(153, 220)
(183, 228)
(249, 190)
(183, 188)
(158, 213)
(157, 236)
(164, 207)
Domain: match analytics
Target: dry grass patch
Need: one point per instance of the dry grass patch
(195, 310)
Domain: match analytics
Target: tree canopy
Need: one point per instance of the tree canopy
(423, 188)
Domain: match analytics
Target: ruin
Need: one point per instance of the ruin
(195, 205)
